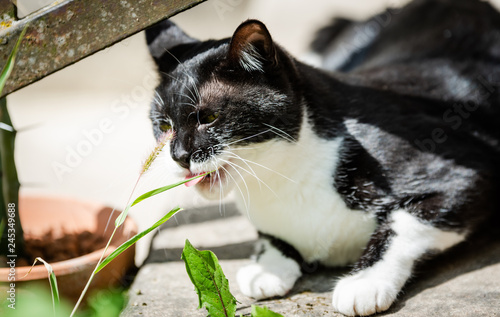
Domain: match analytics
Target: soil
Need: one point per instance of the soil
(70, 245)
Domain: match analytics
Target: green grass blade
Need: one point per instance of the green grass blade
(52, 282)
(165, 188)
(121, 218)
(210, 283)
(258, 311)
(135, 238)
(11, 60)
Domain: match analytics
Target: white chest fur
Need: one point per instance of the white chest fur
(307, 212)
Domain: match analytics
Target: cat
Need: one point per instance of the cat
(387, 155)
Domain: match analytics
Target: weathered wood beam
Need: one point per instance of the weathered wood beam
(68, 31)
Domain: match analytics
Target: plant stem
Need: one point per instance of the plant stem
(102, 256)
(10, 183)
(92, 275)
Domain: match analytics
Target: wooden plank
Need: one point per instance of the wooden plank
(67, 31)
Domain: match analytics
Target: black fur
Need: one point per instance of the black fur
(285, 248)
(375, 248)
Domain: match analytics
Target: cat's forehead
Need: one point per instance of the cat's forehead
(202, 93)
(207, 55)
(199, 61)
(194, 69)
(203, 77)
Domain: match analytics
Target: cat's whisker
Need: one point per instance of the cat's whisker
(184, 84)
(248, 137)
(232, 164)
(222, 206)
(212, 179)
(158, 99)
(221, 187)
(260, 181)
(193, 102)
(284, 137)
(242, 179)
(247, 206)
(187, 104)
(281, 133)
(246, 148)
(239, 158)
(226, 145)
(156, 117)
(184, 71)
(235, 156)
(264, 167)
(195, 87)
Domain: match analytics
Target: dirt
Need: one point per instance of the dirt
(69, 246)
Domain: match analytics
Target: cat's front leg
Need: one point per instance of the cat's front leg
(272, 273)
(387, 263)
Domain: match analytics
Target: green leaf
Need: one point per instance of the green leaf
(11, 60)
(258, 311)
(135, 238)
(52, 282)
(121, 218)
(209, 281)
(165, 188)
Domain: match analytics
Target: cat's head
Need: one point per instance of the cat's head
(225, 100)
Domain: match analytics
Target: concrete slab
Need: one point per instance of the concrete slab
(462, 282)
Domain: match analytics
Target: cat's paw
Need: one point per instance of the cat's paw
(361, 295)
(259, 282)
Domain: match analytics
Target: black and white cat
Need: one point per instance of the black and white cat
(392, 157)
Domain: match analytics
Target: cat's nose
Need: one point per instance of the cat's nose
(182, 158)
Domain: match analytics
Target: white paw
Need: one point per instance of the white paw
(258, 281)
(360, 295)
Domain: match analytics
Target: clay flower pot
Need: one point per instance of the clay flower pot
(40, 215)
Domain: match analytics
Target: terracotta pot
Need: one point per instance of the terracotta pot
(40, 214)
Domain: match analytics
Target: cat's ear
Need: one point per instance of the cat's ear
(164, 36)
(252, 46)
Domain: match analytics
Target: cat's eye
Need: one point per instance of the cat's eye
(165, 127)
(210, 118)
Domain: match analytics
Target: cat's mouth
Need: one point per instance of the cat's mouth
(216, 184)
(210, 179)
(195, 181)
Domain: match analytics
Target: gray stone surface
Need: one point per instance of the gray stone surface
(462, 282)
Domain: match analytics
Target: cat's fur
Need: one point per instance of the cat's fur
(392, 157)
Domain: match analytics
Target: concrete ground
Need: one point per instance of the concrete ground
(464, 282)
